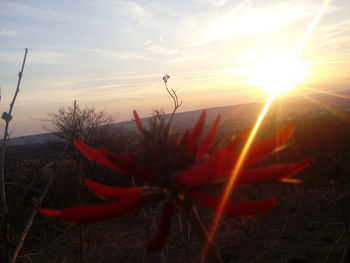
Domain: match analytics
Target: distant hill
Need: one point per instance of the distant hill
(34, 139)
(181, 121)
(236, 116)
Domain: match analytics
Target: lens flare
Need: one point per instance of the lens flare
(276, 69)
(279, 73)
(238, 167)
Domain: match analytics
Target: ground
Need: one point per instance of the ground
(305, 226)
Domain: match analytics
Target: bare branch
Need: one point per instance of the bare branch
(30, 221)
(173, 95)
(4, 209)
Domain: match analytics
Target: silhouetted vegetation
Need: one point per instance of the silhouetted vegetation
(309, 225)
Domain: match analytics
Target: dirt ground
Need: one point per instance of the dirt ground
(306, 226)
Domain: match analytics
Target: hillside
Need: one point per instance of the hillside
(233, 117)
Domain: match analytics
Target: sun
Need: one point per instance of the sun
(279, 73)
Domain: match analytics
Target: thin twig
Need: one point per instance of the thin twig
(3, 203)
(43, 252)
(7, 117)
(275, 242)
(34, 212)
(198, 228)
(173, 95)
(333, 247)
(185, 231)
(30, 222)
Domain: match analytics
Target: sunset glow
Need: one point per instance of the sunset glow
(276, 74)
(113, 54)
(279, 73)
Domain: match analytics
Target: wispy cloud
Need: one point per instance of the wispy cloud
(16, 8)
(217, 3)
(125, 55)
(160, 50)
(7, 32)
(36, 57)
(134, 11)
(333, 35)
(246, 19)
(184, 59)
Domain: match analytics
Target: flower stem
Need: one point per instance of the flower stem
(198, 228)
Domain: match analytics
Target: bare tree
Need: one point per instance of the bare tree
(86, 123)
(94, 128)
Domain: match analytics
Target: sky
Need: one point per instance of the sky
(113, 54)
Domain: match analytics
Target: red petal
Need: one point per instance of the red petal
(49, 212)
(214, 145)
(196, 132)
(137, 119)
(207, 142)
(161, 236)
(272, 173)
(201, 174)
(113, 192)
(258, 151)
(234, 208)
(279, 172)
(93, 213)
(232, 154)
(129, 164)
(95, 155)
(230, 162)
(239, 139)
(264, 148)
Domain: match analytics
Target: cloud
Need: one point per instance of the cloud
(333, 35)
(132, 11)
(331, 62)
(214, 2)
(124, 55)
(36, 57)
(250, 55)
(11, 7)
(245, 19)
(161, 50)
(64, 51)
(7, 33)
(184, 59)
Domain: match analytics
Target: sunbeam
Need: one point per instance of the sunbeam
(311, 28)
(238, 167)
(240, 162)
(332, 110)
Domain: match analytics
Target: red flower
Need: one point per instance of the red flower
(175, 167)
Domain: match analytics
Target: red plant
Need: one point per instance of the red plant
(175, 168)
